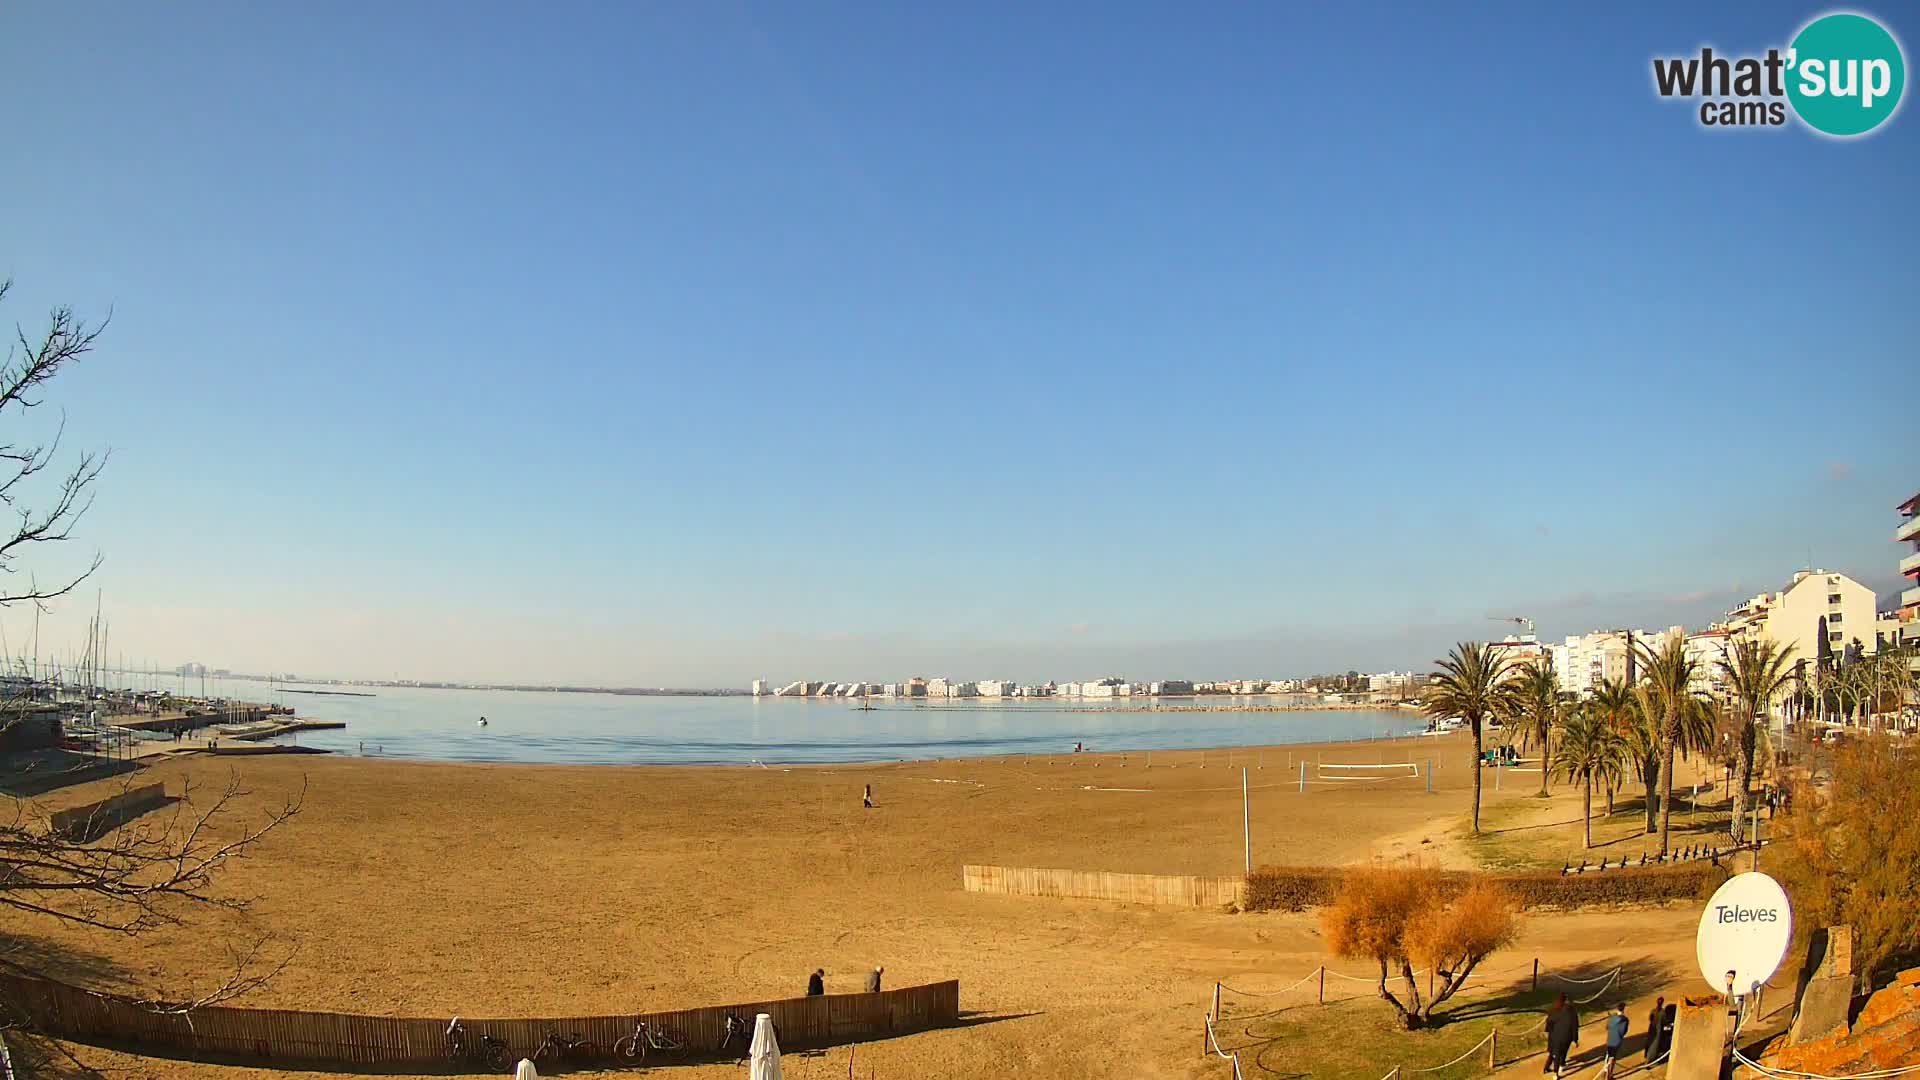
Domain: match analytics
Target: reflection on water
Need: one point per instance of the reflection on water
(614, 729)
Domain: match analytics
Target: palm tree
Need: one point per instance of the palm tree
(1757, 671)
(1646, 748)
(1671, 702)
(1539, 703)
(1589, 749)
(1613, 699)
(1472, 686)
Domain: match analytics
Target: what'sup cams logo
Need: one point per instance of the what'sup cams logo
(1843, 76)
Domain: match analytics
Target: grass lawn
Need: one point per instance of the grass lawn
(1364, 1038)
(1513, 838)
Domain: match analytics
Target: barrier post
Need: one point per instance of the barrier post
(1429, 776)
(1493, 1046)
(1303, 777)
(1216, 1001)
(1536, 973)
(1323, 984)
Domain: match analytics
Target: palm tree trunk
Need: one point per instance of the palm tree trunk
(1546, 755)
(1650, 783)
(1666, 795)
(1740, 793)
(1476, 778)
(1589, 809)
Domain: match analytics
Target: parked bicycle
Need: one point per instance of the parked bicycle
(647, 1039)
(565, 1050)
(737, 1030)
(486, 1051)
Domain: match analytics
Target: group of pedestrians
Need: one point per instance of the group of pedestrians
(1563, 1034)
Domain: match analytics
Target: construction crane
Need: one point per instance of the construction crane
(1518, 620)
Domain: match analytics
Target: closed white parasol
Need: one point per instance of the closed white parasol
(763, 1059)
(525, 1071)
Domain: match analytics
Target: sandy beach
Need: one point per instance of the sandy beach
(436, 889)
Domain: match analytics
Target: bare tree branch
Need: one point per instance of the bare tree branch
(30, 363)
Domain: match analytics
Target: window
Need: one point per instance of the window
(1833, 599)
(1833, 618)
(1834, 637)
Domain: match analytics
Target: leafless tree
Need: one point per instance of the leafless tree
(128, 879)
(31, 362)
(119, 879)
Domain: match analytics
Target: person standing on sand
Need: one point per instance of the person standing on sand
(873, 980)
(1655, 1019)
(1617, 1025)
(1563, 1034)
(866, 797)
(816, 982)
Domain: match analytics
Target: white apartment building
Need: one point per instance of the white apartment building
(1584, 661)
(939, 688)
(1390, 680)
(759, 688)
(1909, 533)
(1707, 649)
(996, 687)
(1106, 688)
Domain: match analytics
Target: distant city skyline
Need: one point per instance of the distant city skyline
(688, 344)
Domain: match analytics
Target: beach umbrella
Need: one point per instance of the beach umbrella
(763, 1058)
(525, 1071)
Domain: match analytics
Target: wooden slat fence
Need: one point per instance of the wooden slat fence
(279, 1035)
(1158, 889)
(95, 818)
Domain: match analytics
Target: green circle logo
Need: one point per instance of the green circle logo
(1845, 74)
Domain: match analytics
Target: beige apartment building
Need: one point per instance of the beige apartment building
(1793, 615)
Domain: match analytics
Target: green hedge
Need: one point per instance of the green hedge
(1296, 888)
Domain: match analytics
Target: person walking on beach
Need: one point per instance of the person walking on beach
(866, 797)
(1617, 1025)
(873, 980)
(1656, 1026)
(816, 982)
(1563, 1034)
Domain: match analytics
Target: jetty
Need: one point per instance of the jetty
(260, 730)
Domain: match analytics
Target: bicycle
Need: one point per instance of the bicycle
(647, 1039)
(565, 1049)
(488, 1051)
(736, 1028)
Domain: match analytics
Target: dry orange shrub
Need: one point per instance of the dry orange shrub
(1405, 915)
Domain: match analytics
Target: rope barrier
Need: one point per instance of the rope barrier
(1575, 979)
(1603, 989)
(1470, 1052)
(1272, 993)
(1214, 1043)
(1765, 1071)
(1370, 978)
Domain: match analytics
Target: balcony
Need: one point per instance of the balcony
(1910, 598)
(1910, 565)
(1909, 530)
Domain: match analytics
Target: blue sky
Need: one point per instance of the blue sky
(688, 343)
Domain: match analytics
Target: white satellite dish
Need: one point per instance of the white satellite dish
(1744, 931)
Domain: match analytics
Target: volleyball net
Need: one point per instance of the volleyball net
(1397, 770)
